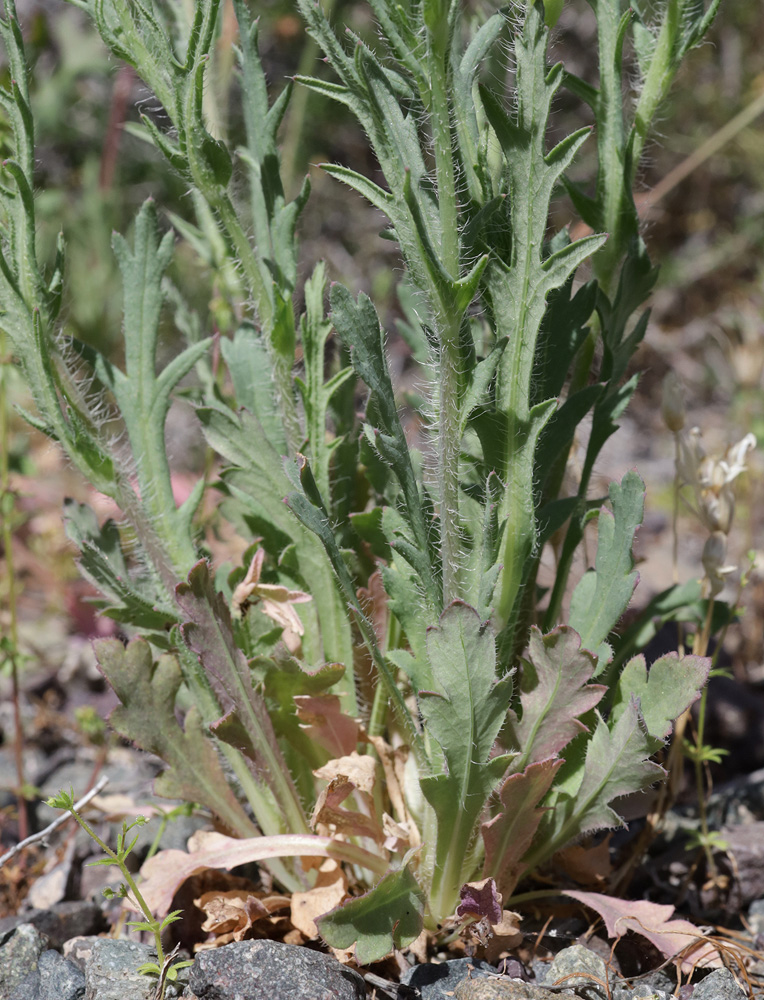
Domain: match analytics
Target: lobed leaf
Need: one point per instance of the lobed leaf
(554, 693)
(509, 834)
(246, 724)
(147, 692)
(614, 762)
(652, 921)
(463, 715)
(603, 593)
(672, 684)
(389, 916)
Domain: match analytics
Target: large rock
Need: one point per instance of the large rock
(55, 978)
(271, 970)
(111, 968)
(20, 950)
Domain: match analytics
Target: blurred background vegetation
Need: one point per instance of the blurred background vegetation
(707, 230)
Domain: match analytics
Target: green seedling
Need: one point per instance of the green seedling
(164, 968)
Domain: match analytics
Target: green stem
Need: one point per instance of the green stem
(7, 505)
(610, 145)
(449, 434)
(659, 77)
(130, 881)
(449, 451)
(292, 158)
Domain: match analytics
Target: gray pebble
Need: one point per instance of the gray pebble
(577, 959)
(438, 980)
(719, 985)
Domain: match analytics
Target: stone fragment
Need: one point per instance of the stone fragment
(577, 959)
(719, 985)
(500, 988)
(111, 970)
(55, 978)
(438, 980)
(266, 970)
(20, 950)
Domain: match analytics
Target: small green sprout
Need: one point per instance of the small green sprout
(163, 968)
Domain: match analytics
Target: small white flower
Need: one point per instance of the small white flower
(711, 478)
(714, 555)
(691, 454)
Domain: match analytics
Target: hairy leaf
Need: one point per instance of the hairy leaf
(388, 916)
(672, 684)
(602, 594)
(147, 691)
(464, 715)
(554, 694)
(509, 834)
(616, 762)
(246, 724)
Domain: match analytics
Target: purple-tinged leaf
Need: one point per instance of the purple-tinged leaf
(322, 719)
(508, 835)
(673, 683)
(480, 900)
(146, 716)
(246, 724)
(617, 762)
(653, 921)
(553, 694)
(283, 681)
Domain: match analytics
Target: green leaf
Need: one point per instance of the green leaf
(207, 633)
(283, 680)
(464, 714)
(314, 518)
(143, 397)
(389, 916)
(681, 602)
(517, 290)
(603, 593)
(358, 326)
(316, 390)
(372, 192)
(257, 481)
(672, 684)
(134, 600)
(616, 763)
(147, 692)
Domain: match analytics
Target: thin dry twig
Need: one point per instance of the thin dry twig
(59, 821)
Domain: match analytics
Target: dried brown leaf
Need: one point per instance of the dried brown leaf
(329, 891)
